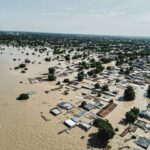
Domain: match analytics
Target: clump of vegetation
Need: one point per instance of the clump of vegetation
(51, 70)
(23, 97)
(67, 57)
(80, 76)
(127, 71)
(22, 65)
(109, 68)
(116, 129)
(148, 92)
(47, 59)
(66, 80)
(129, 94)
(132, 115)
(58, 83)
(23, 71)
(83, 65)
(16, 67)
(51, 77)
(99, 94)
(25, 68)
(106, 131)
(97, 86)
(76, 56)
(133, 137)
(105, 87)
(57, 51)
(27, 61)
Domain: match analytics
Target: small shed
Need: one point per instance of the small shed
(69, 123)
(84, 126)
(75, 119)
(55, 111)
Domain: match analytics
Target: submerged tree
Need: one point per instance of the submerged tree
(106, 131)
(80, 76)
(51, 70)
(132, 115)
(51, 77)
(97, 86)
(129, 94)
(105, 88)
(67, 57)
(23, 97)
(148, 92)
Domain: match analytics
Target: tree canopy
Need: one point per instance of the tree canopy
(106, 131)
(148, 92)
(129, 94)
(132, 115)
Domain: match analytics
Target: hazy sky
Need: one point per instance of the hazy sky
(109, 17)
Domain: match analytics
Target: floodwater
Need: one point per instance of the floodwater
(21, 125)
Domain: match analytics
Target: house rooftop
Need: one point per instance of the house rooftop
(89, 106)
(69, 123)
(143, 142)
(55, 111)
(65, 105)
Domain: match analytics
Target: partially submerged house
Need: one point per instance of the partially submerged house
(145, 114)
(65, 105)
(140, 124)
(75, 119)
(143, 142)
(89, 107)
(55, 111)
(80, 113)
(70, 123)
(84, 126)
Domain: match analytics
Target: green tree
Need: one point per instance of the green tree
(51, 70)
(105, 88)
(23, 97)
(99, 94)
(22, 65)
(148, 92)
(67, 57)
(127, 72)
(106, 131)
(66, 80)
(129, 94)
(132, 115)
(80, 76)
(135, 110)
(51, 77)
(97, 86)
(108, 68)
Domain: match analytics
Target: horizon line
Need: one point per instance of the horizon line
(84, 34)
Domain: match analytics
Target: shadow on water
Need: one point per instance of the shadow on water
(123, 122)
(120, 98)
(93, 142)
